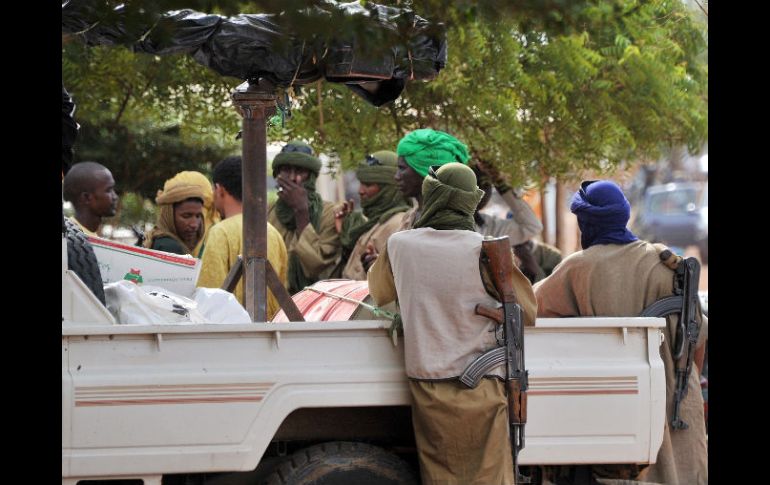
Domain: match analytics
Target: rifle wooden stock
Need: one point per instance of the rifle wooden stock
(517, 407)
(273, 282)
(499, 258)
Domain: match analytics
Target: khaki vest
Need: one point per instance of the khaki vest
(439, 284)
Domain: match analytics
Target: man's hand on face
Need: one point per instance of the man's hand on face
(292, 193)
(295, 196)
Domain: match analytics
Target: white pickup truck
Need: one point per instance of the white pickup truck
(324, 402)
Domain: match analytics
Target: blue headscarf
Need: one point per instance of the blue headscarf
(602, 212)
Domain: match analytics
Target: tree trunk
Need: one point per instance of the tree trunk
(544, 216)
(561, 239)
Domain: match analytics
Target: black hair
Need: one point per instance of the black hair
(79, 179)
(227, 173)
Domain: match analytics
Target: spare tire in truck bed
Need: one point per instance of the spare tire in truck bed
(82, 260)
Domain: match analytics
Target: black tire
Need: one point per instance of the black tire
(82, 260)
(342, 463)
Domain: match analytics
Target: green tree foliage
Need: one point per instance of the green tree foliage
(148, 117)
(538, 88)
(540, 93)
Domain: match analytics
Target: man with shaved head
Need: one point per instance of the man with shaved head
(90, 188)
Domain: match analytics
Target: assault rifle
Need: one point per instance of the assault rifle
(497, 257)
(684, 302)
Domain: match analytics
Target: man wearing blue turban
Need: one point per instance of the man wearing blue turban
(618, 275)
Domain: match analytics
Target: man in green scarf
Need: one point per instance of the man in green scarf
(384, 206)
(305, 222)
(434, 272)
(417, 152)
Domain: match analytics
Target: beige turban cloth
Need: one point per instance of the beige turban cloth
(210, 214)
(181, 186)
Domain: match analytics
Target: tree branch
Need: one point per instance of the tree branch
(396, 120)
(320, 110)
(123, 104)
(705, 12)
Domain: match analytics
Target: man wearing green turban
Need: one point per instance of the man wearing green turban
(305, 222)
(364, 233)
(417, 152)
(434, 272)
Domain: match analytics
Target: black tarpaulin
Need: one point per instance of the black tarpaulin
(388, 46)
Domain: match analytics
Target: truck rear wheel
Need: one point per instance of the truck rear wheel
(82, 260)
(342, 463)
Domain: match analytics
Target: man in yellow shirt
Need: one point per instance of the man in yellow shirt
(225, 240)
(90, 188)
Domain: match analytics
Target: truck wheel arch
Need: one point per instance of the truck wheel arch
(342, 463)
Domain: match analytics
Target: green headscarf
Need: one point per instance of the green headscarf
(388, 201)
(298, 154)
(450, 198)
(425, 147)
(378, 168)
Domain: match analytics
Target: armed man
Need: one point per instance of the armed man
(461, 426)
(616, 274)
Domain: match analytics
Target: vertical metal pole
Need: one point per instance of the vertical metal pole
(256, 102)
(560, 216)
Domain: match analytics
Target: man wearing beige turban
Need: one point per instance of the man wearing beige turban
(180, 219)
(210, 214)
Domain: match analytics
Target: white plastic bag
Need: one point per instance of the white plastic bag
(220, 306)
(146, 305)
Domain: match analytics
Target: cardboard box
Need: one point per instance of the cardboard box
(171, 271)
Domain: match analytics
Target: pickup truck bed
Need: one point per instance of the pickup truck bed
(141, 400)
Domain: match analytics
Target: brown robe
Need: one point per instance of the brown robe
(621, 280)
(318, 251)
(378, 235)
